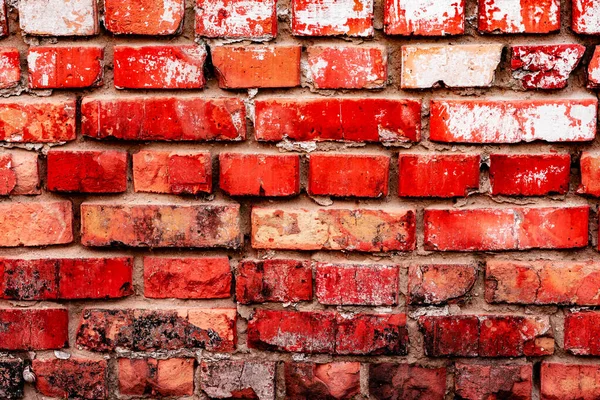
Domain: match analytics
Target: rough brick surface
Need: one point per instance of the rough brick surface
(163, 377)
(479, 381)
(145, 17)
(19, 173)
(11, 378)
(590, 174)
(238, 379)
(399, 381)
(586, 17)
(440, 283)
(581, 333)
(339, 380)
(59, 18)
(34, 329)
(65, 67)
(424, 17)
(332, 18)
(252, 19)
(73, 378)
(10, 71)
(561, 381)
(519, 16)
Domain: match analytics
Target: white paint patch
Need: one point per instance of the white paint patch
(58, 17)
(241, 17)
(587, 19)
(334, 15)
(172, 10)
(541, 63)
(425, 15)
(508, 11)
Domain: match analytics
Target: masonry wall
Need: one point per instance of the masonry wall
(308, 199)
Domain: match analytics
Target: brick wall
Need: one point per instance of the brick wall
(308, 199)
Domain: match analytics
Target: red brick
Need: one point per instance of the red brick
(582, 333)
(513, 121)
(569, 381)
(372, 334)
(545, 66)
(332, 18)
(240, 67)
(59, 17)
(8, 176)
(590, 174)
(424, 18)
(11, 378)
(159, 67)
(370, 285)
(144, 17)
(226, 379)
(34, 329)
(437, 175)
(272, 174)
(347, 67)
(235, 19)
(37, 120)
(286, 281)
(593, 70)
(365, 230)
(529, 174)
(65, 67)
(586, 17)
(479, 381)
(157, 378)
(440, 283)
(527, 16)
(171, 118)
(143, 330)
(335, 380)
(87, 171)
(405, 381)
(187, 278)
(75, 378)
(338, 174)
(19, 173)
(492, 229)
(172, 172)
(202, 225)
(3, 19)
(351, 120)
(36, 224)
(10, 63)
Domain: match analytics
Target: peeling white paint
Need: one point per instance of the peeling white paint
(240, 20)
(424, 15)
(587, 20)
(335, 15)
(58, 17)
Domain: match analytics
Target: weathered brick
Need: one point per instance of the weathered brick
(159, 67)
(479, 381)
(582, 333)
(371, 285)
(273, 280)
(226, 379)
(351, 120)
(513, 121)
(59, 17)
(519, 16)
(593, 70)
(75, 378)
(335, 380)
(440, 283)
(332, 18)
(65, 67)
(590, 174)
(187, 278)
(235, 19)
(87, 171)
(424, 17)
(36, 224)
(467, 65)
(492, 229)
(157, 378)
(586, 17)
(34, 328)
(171, 118)
(406, 381)
(240, 67)
(11, 378)
(372, 334)
(3, 19)
(272, 174)
(437, 175)
(10, 63)
(203, 225)
(365, 230)
(19, 173)
(144, 17)
(347, 67)
(569, 381)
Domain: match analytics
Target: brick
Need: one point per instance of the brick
(87, 171)
(593, 70)
(166, 225)
(172, 172)
(332, 18)
(65, 278)
(351, 120)
(437, 175)
(145, 330)
(226, 379)
(3, 19)
(333, 229)
(424, 17)
(519, 16)
(582, 333)
(590, 174)
(479, 381)
(187, 278)
(37, 120)
(75, 378)
(58, 17)
(11, 378)
(273, 175)
(370, 285)
(467, 65)
(10, 63)
(513, 121)
(173, 118)
(157, 378)
(506, 229)
(529, 174)
(145, 17)
(159, 67)
(36, 224)
(34, 329)
(241, 67)
(19, 173)
(65, 67)
(545, 66)
(347, 67)
(236, 19)
(372, 334)
(277, 280)
(586, 17)
(486, 336)
(406, 381)
(8, 176)
(543, 282)
(565, 381)
(440, 283)
(335, 380)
